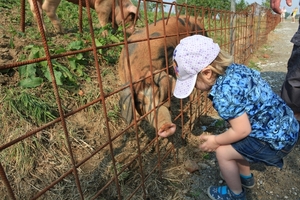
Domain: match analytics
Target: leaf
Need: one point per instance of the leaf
(27, 71)
(31, 82)
(44, 64)
(114, 39)
(76, 45)
(98, 43)
(35, 53)
(57, 74)
(79, 71)
(65, 71)
(29, 47)
(79, 56)
(58, 77)
(60, 50)
(72, 62)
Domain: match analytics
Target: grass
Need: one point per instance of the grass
(36, 161)
(31, 108)
(253, 65)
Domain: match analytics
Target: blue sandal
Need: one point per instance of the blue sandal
(224, 193)
(246, 182)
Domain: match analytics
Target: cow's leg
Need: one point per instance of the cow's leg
(162, 113)
(166, 84)
(39, 3)
(104, 11)
(166, 127)
(50, 6)
(164, 123)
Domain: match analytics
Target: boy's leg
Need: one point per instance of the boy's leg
(244, 167)
(247, 178)
(230, 162)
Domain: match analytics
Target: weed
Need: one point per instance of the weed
(21, 156)
(30, 107)
(8, 4)
(113, 115)
(124, 175)
(110, 55)
(219, 123)
(33, 75)
(206, 156)
(105, 72)
(195, 193)
(253, 65)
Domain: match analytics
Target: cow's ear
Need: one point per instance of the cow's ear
(132, 9)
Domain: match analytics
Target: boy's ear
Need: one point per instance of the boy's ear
(207, 73)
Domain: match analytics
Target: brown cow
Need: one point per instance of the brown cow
(103, 8)
(139, 58)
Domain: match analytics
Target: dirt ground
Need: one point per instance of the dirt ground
(271, 183)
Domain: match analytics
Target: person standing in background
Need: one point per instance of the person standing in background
(294, 13)
(290, 91)
(283, 11)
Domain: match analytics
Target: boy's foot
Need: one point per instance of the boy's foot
(246, 182)
(224, 193)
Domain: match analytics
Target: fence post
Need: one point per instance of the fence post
(252, 23)
(232, 27)
(258, 26)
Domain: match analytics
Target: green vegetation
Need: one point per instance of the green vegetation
(70, 71)
(253, 65)
(9, 3)
(30, 107)
(195, 194)
(215, 4)
(66, 73)
(113, 114)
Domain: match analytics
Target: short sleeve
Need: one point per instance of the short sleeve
(230, 101)
(231, 92)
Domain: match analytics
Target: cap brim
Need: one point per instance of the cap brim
(183, 88)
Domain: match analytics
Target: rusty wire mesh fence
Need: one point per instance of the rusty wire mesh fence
(88, 151)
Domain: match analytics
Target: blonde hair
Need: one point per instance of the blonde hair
(220, 64)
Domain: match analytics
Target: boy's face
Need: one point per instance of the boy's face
(205, 80)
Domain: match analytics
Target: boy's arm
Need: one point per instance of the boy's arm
(240, 128)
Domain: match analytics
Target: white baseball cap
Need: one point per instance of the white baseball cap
(192, 54)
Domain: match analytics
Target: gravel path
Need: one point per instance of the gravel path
(278, 50)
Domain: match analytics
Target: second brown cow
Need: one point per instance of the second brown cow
(147, 95)
(103, 8)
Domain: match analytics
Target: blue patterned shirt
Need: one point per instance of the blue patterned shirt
(242, 90)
